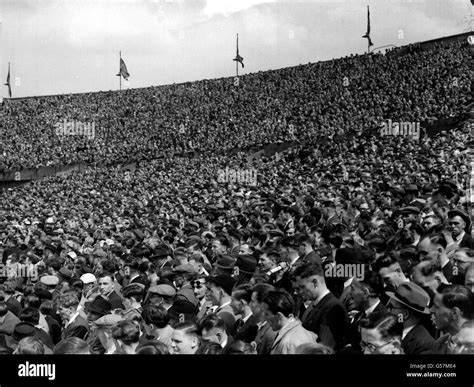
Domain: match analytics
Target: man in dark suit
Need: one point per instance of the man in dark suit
(74, 324)
(365, 297)
(410, 302)
(106, 289)
(213, 329)
(245, 328)
(307, 254)
(325, 316)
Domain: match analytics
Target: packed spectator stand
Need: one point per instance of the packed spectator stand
(347, 242)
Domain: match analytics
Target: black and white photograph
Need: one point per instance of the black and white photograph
(236, 177)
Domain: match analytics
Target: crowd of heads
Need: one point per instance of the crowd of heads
(347, 95)
(350, 244)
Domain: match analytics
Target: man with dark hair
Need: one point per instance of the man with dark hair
(134, 275)
(325, 316)
(265, 334)
(32, 316)
(74, 324)
(433, 247)
(245, 328)
(220, 245)
(213, 329)
(278, 307)
(106, 289)
(219, 291)
(390, 271)
(183, 276)
(452, 307)
(365, 295)
(8, 319)
(307, 254)
(157, 324)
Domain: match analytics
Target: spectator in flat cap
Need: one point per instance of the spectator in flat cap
(460, 225)
(107, 290)
(182, 278)
(133, 295)
(100, 340)
(219, 292)
(161, 295)
(90, 289)
(50, 280)
(157, 324)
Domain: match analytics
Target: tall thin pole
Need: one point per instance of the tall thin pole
(237, 62)
(120, 72)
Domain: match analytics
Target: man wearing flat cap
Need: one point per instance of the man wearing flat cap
(183, 276)
(132, 300)
(161, 295)
(460, 225)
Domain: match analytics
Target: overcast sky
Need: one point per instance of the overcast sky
(67, 46)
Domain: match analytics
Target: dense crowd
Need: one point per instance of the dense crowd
(348, 242)
(355, 246)
(342, 96)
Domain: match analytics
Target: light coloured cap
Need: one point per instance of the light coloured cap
(88, 278)
(50, 280)
(109, 320)
(163, 290)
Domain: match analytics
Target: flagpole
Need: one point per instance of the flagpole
(368, 20)
(237, 62)
(120, 73)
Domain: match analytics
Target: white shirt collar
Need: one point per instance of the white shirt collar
(318, 300)
(348, 282)
(458, 240)
(372, 308)
(406, 331)
(224, 304)
(73, 317)
(244, 319)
